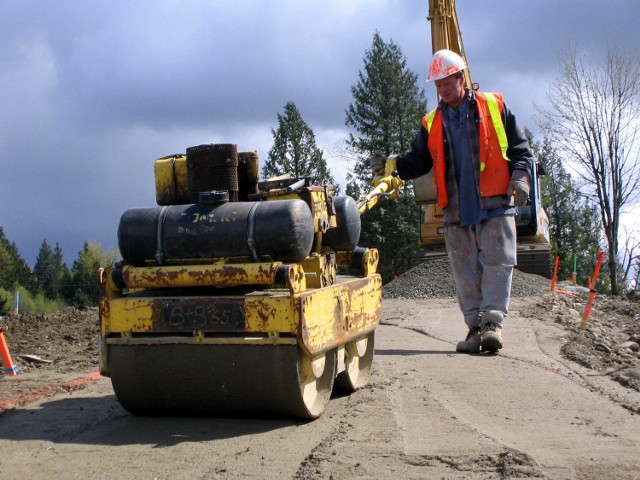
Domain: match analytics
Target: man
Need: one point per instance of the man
(481, 162)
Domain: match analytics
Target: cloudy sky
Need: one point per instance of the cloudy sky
(91, 92)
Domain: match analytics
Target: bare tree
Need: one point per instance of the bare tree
(594, 121)
(630, 256)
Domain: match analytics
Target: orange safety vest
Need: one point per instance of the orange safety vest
(494, 169)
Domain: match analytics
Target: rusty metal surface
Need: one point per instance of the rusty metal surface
(322, 318)
(219, 275)
(230, 354)
(338, 314)
(212, 167)
(156, 312)
(189, 314)
(171, 180)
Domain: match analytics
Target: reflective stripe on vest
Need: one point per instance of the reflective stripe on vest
(498, 126)
(430, 118)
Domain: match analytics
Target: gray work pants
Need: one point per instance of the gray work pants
(482, 257)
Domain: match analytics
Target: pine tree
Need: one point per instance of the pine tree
(43, 269)
(294, 150)
(6, 263)
(49, 270)
(385, 114)
(14, 270)
(83, 289)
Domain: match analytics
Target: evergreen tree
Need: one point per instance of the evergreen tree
(83, 289)
(14, 270)
(43, 269)
(49, 270)
(294, 150)
(5, 302)
(385, 115)
(574, 223)
(6, 263)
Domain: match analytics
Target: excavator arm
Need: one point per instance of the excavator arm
(446, 33)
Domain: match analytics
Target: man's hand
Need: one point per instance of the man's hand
(520, 191)
(377, 163)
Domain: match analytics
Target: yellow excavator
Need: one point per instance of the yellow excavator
(532, 223)
(239, 297)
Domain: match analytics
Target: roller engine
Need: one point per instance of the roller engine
(239, 297)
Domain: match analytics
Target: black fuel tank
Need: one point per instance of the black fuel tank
(280, 229)
(346, 234)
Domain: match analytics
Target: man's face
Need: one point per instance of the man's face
(451, 90)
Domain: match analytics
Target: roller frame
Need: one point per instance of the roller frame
(195, 365)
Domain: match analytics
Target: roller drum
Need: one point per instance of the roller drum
(218, 380)
(282, 230)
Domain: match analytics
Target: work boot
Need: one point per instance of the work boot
(471, 344)
(490, 337)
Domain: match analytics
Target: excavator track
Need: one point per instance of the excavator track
(532, 258)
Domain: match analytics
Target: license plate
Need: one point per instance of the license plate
(187, 315)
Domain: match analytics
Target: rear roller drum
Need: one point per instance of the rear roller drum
(358, 360)
(221, 380)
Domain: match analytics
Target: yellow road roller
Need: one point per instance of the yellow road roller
(236, 297)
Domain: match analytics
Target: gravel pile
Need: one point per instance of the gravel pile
(434, 279)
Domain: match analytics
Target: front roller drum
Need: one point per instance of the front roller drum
(221, 380)
(357, 362)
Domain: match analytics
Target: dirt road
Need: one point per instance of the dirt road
(427, 413)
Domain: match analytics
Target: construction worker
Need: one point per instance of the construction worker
(481, 161)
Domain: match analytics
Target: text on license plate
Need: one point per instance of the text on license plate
(181, 315)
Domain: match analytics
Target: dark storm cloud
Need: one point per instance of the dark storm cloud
(92, 92)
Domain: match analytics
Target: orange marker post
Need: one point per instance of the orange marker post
(9, 367)
(555, 275)
(592, 292)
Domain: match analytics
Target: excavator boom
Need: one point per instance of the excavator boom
(446, 33)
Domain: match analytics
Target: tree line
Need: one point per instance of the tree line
(590, 130)
(51, 284)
